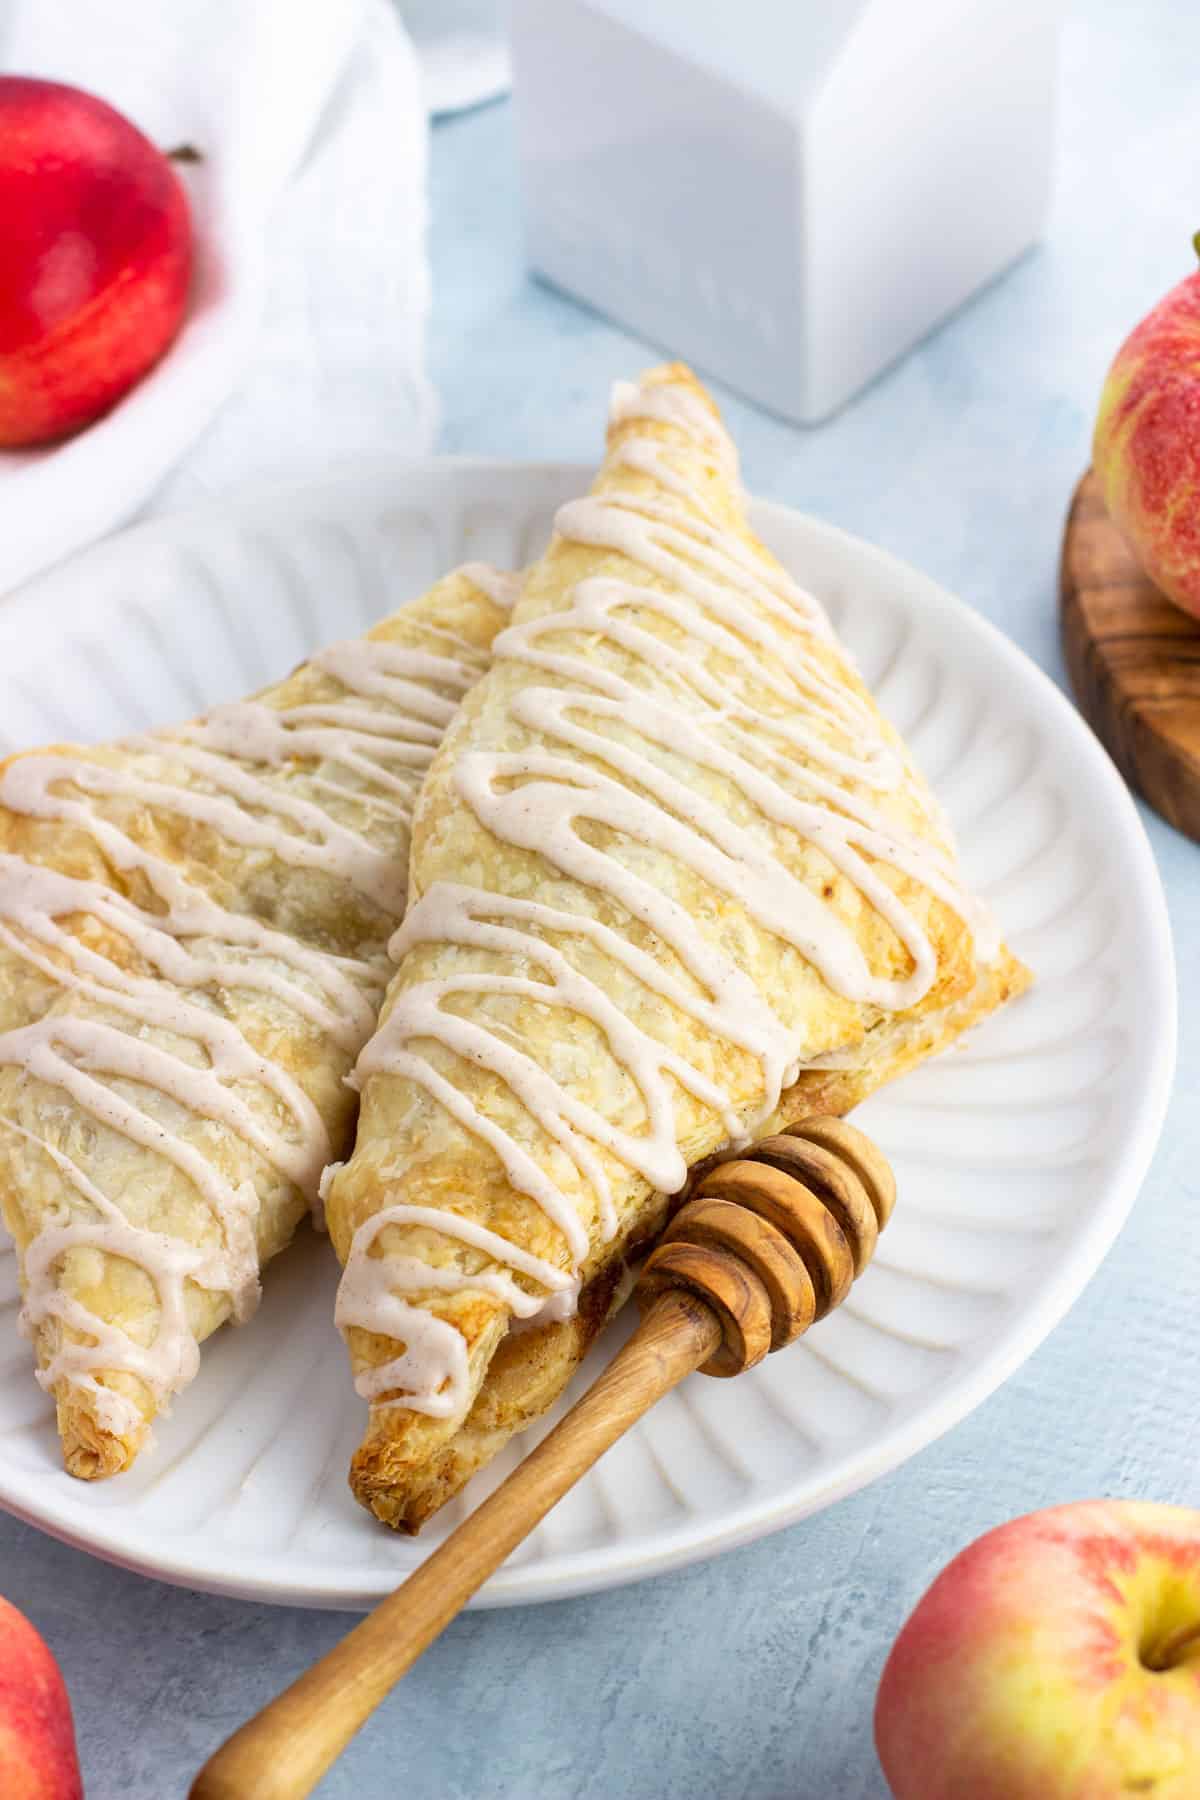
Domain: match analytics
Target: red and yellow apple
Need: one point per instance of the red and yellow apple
(1058, 1658)
(1146, 446)
(95, 241)
(37, 1737)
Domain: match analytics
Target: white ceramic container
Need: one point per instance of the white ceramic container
(789, 193)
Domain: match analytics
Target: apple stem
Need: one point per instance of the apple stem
(1167, 1654)
(1196, 242)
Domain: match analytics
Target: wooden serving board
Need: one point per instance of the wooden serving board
(1134, 661)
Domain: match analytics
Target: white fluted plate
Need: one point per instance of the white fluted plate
(1018, 1156)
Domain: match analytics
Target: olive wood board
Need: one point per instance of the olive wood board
(1134, 661)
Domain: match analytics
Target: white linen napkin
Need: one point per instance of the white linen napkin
(304, 337)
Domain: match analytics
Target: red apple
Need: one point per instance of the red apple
(37, 1738)
(1058, 1658)
(95, 257)
(1146, 447)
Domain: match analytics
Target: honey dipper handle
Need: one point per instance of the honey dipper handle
(283, 1752)
(768, 1240)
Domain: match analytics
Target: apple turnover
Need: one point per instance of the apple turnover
(193, 948)
(673, 878)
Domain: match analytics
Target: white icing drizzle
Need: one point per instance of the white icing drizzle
(372, 1287)
(672, 404)
(501, 586)
(726, 603)
(378, 736)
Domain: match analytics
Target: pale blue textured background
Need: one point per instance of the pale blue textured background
(752, 1677)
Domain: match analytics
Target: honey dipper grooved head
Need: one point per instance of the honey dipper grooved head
(727, 1285)
(716, 1224)
(857, 1151)
(772, 1237)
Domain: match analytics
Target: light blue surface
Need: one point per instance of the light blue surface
(753, 1677)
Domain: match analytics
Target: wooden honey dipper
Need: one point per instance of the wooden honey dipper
(764, 1242)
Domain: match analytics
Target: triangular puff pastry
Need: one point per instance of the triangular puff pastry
(673, 877)
(193, 931)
